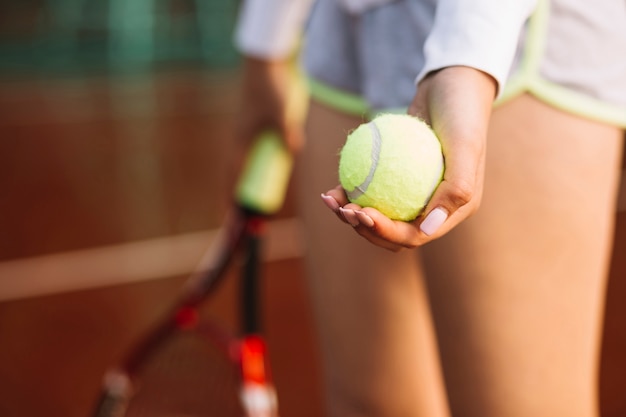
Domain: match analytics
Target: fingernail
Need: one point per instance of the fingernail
(330, 202)
(364, 219)
(350, 216)
(433, 221)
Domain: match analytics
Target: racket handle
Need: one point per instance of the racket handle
(263, 183)
(110, 405)
(115, 395)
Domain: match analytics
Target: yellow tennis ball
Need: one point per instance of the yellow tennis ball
(393, 163)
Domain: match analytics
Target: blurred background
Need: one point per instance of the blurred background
(116, 123)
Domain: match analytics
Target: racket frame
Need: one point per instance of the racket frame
(260, 193)
(242, 233)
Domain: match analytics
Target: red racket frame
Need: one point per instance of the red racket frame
(241, 233)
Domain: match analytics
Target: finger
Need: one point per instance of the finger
(350, 216)
(378, 227)
(370, 223)
(397, 232)
(367, 230)
(387, 233)
(365, 227)
(333, 205)
(339, 195)
(334, 199)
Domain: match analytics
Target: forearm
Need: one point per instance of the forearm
(456, 98)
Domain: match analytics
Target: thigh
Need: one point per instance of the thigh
(517, 290)
(378, 352)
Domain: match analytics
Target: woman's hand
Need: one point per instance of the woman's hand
(456, 102)
(268, 102)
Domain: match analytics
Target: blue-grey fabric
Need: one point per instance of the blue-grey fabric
(376, 54)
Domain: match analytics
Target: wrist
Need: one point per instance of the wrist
(484, 85)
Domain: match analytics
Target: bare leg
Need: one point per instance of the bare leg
(517, 291)
(378, 350)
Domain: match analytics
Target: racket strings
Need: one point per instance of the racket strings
(187, 377)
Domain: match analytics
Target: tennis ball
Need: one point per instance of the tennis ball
(393, 163)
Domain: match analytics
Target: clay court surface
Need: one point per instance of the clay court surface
(110, 189)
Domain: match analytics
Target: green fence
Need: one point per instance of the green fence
(118, 35)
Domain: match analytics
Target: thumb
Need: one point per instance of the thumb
(461, 188)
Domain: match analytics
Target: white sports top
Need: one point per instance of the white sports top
(482, 34)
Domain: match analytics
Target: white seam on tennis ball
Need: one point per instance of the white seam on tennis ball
(359, 190)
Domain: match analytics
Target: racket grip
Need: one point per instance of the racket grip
(110, 405)
(115, 395)
(263, 182)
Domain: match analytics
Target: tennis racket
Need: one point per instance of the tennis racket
(187, 365)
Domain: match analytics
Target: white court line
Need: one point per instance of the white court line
(129, 262)
(141, 260)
